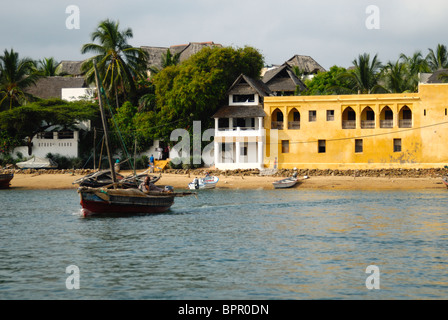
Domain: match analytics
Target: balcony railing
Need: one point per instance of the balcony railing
(294, 125)
(405, 123)
(367, 124)
(348, 124)
(386, 123)
(277, 125)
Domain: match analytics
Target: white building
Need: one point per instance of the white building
(239, 127)
(56, 140)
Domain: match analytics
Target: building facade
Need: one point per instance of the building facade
(358, 131)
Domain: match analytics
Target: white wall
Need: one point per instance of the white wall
(73, 94)
(41, 147)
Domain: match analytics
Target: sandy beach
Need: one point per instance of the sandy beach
(179, 181)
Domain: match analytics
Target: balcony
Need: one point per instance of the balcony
(405, 123)
(386, 123)
(277, 125)
(367, 124)
(348, 124)
(294, 125)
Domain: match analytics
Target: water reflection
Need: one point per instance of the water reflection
(244, 244)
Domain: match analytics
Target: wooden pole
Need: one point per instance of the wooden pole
(106, 132)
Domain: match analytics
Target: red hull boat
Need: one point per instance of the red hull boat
(5, 180)
(124, 201)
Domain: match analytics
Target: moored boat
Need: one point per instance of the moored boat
(285, 183)
(104, 178)
(5, 179)
(114, 198)
(96, 201)
(208, 182)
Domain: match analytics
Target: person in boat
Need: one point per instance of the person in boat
(196, 183)
(147, 185)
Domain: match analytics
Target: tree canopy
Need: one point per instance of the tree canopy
(196, 88)
(24, 122)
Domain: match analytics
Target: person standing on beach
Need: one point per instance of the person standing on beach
(151, 163)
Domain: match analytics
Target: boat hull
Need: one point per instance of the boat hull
(5, 180)
(285, 183)
(96, 201)
(204, 183)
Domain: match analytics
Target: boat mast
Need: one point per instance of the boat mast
(106, 132)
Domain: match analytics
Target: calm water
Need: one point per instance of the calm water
(291, 244)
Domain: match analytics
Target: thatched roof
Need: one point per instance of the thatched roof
(246, 85)
(283, 79)
(185, 50)
(70, 68)
(306, 64)
(240, 112)
(436, 76)
(155, 55)
(51, 87)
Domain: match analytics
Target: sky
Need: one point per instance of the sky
(332, 32)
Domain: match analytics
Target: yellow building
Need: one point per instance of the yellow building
(371, 131)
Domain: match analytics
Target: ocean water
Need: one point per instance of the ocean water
(229, 244)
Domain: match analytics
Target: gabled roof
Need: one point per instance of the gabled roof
(185, 51)
(283, 79)
(306, 64)
(73, 68)
(436, 76)
(51, 87)
(246, 85)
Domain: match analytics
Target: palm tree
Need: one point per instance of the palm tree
(119, 64)
(47, 67)
(15, 76)
(397, 77)
(439, 59)
(415, 65)
(365, 76)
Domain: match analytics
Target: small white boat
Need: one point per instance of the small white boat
(208, 182)
(286, 183)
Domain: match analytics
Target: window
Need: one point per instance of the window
(312, 115)
(397, 145)
(358, 145)
(330, 115)
(296, 116)
(285, 146)
(321, 146)
(424, 113)
(240, 98)
(244, 150)
(45, 135)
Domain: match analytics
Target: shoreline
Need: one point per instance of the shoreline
(54, 181)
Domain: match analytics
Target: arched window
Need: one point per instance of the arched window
(367, 118)
(349, 119)
(405, 118)
(277, 119)
(294, 119)
(386, 118)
